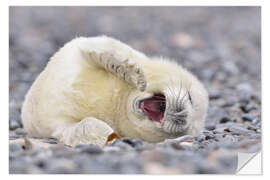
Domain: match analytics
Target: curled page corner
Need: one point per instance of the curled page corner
(249, 163)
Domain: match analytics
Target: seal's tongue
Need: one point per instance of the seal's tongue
(154, 107)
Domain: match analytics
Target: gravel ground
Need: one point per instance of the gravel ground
(220, 45)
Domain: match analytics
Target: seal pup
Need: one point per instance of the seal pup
(95, 86)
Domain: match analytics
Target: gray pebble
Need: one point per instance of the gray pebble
(62, 151)
(132, 142)
(252, 127)
(89, 149)
(214, 114)
(210, 127)
(225, 119)
(200, 138)
(245, 92)
(249, 117)
(15, 147)
(221, 130)
(208, 74)
(14, 125)
(111, 149)
(21, 131)
(209, 135)
(214, 94)
(231, 68)
(61, 166)
(249, 107)
(239, 130)
(122, 145)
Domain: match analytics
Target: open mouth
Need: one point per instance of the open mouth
(154, 107)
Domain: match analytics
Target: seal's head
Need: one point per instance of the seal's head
(174, 104)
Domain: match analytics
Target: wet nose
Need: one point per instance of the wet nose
(181, 121)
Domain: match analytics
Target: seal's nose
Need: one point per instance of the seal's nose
(181, 121)
(180, 117)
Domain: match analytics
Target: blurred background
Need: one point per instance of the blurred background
(221, 45)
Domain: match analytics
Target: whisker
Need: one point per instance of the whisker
(182, 112)
(170, 100)
(173, 92)
(170, 126)
(183, 99)
(179, 97)
(175, 128)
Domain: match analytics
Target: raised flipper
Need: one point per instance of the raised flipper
(106, 52)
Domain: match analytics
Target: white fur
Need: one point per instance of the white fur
(77, 101)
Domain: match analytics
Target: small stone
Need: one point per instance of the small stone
(210, 127)
(214, 114)
(60, 150)
(249, 107)
(239, 130)
(138, 143)
(13, 125)
(221, 130)
(231, 68)
(23, 165)
(184, 138)
(111, 149)
(251, 127)
(89, 149)
(229, 102)
(121, 144)
(256, 120)
(208, 135)
(245, 92)
(41, 163)
(158, 168)
(21, 131)
(249, 117)
(214, 94)
(221, 76)
(186, 144)
(229, 139)
(208, 74)
(225, 119)
(182, 40)
(128, 141)
(244, 87)
(15, 147)
(61, 166)
(201, 138)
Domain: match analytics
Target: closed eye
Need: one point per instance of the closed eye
(189, 97)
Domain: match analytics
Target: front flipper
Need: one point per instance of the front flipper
(108, 53)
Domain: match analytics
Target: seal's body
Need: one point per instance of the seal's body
(94, 86)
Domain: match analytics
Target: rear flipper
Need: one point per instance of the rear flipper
(88, 131)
